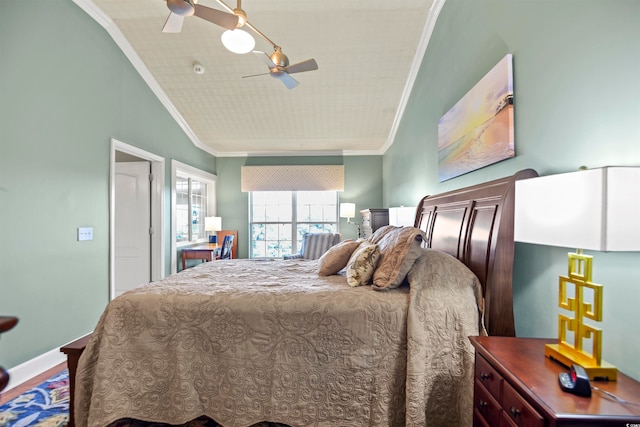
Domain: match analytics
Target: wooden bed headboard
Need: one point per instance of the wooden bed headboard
(475, 224)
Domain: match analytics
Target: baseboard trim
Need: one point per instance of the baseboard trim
(34, 367)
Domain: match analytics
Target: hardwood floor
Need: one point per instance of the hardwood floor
(8, 395)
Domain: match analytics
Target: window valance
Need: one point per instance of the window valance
(293, 178)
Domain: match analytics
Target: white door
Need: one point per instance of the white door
(132, 250)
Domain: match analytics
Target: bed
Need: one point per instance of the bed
(245, 341)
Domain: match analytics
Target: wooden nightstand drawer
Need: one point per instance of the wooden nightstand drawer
(518, 410)
(485, 406)
(489, 377)
(531, 396)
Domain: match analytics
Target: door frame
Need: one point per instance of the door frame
(157, 210)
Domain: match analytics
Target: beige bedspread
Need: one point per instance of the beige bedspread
(244, 341)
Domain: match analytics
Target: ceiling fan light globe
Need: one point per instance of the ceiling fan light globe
(238, 41)
(181, 7)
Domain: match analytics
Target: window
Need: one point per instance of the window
(194, 199)
(279, 219)
(191, 209)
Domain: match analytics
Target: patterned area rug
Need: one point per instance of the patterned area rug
(47, 405)
(199, 422)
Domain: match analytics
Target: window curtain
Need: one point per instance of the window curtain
(293, 178)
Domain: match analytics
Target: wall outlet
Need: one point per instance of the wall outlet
(85, 233)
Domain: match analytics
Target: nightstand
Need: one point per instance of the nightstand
(516, 385)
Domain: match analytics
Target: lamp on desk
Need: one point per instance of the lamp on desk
(348, 210)
(595, 209)
(213, 224)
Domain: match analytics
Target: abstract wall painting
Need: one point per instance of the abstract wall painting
(478, 130)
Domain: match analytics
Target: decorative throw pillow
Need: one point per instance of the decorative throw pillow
(381, 232)
(362, 264)
(399, 249)
(336, 258)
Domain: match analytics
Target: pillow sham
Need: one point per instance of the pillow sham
(336, 258)
(381, 232)
(399, 249)
(362, 264)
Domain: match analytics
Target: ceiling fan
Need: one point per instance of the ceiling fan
(279, 67)
(277, 62)
(181, 8)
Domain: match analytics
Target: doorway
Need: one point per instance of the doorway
(132, 248)
(136, 218)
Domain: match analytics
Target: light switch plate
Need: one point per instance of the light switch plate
(85, 233)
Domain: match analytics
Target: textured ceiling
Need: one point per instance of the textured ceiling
(366, 50)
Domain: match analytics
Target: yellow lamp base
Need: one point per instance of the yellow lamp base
(604, 371)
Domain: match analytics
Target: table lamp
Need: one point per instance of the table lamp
(594, 209)
(348, 210)
(213, 224)
(402, 216)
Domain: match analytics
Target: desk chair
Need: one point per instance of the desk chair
(227, 246)
(234, 249)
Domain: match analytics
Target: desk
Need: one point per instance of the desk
(203, 252)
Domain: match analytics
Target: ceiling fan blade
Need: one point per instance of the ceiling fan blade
(265, 58)
(173, 24)
(218, 17)
(285, 78)
(256, 75)
(181, 7)
(308, 65)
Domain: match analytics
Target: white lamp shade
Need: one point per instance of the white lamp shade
(347, 210)
(402, 216)
(596, 209)
(213, 223)
(238, 41)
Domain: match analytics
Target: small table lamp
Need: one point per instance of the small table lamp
(213, 224)
(595, 209)
(348, 210)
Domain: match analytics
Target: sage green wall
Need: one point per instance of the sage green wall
(363, 186)
(577, 102)
(65, 90)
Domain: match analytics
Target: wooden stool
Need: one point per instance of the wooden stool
(6, 323)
